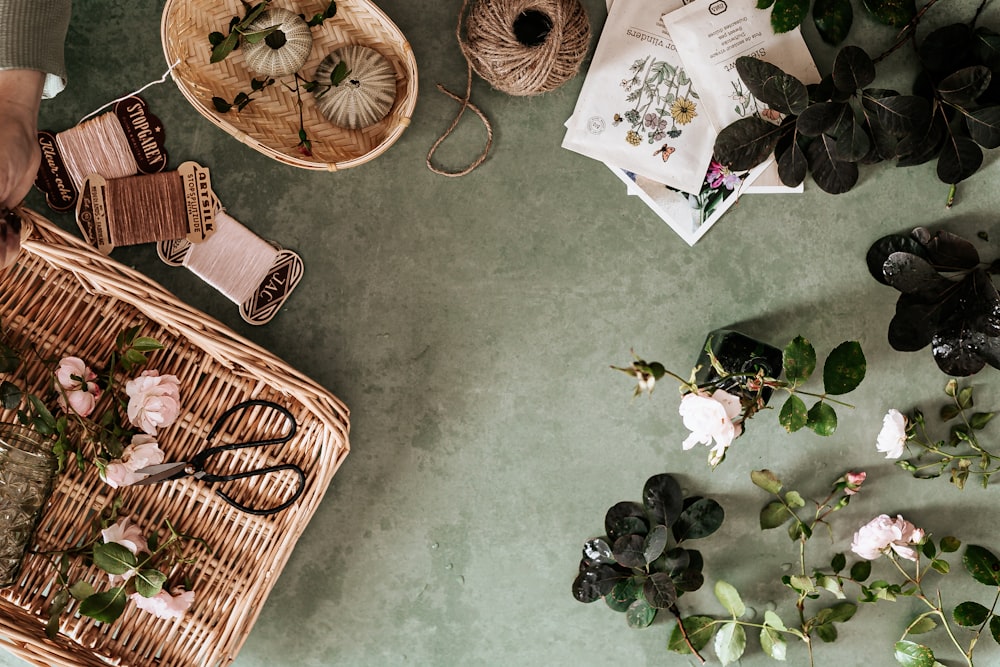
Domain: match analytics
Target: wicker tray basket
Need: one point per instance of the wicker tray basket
(65, 298)
(270, 123)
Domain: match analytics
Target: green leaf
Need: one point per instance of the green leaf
(982, 565)
(925, 624)
(113, 558)
(793, 415)
(941, 566)
(9, 359)
(827, 632)
(42, 412)
(911, 654)
(979, 420)
(822, 419)
(799, 360)
(766, 480)
(773, 620)
(655, 543)
(802, 584)
(995, 628)
(786, 15)
(215, 38)
(895, 13)
(221, 105)
(702, 518)
(773, 643)
(774, 515)
(730, 598)
(149, 582)
(833, 19)
(339, 73)
(222, 50)
(81, 590)
(969, 614)
(838, 563)
(730, 642)
(623, 595)
(794, 499)
(699, 631)
(861, 570)
(105, 607)
(844, 369)
(950, 410)
(640, 614)
(147, 344)
(950, 544)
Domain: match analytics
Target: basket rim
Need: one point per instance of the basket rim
(402, 116)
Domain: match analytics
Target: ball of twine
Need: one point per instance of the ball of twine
(526, 47)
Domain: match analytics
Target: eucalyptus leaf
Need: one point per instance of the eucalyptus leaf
(911, 654)
(895, 13)
(746, 143)
(699, 631)
(844, 369)
(970, 614)
(663, 499)
(982, 565)
(960, 158)
(675, 560)
(655, 543)
(659, 590)
(912, 274)
(699, 520)
(830, 173)
(833, 19)
(597, 551)
(629, 550)
(625, 518)
(640, 614)
(880, 251)
(595, 582)
(730, 642)
(965, 86)
(853, 69)
(730, 598)
(822, 419)
(984, 126)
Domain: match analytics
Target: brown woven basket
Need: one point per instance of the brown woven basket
(270, 123)
(66, 299)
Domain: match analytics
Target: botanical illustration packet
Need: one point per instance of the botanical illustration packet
(639, 109)
(711, 34)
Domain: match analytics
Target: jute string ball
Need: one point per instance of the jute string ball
(526, 47)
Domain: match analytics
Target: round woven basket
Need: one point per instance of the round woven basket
(270, 123)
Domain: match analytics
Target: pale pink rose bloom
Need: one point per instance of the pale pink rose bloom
(144, 451)
(854, 481)
(153, 400)
(165, 605)
(892, 438)
(126, 533)
(710, 417)
(70, 366)
(79, 401)
(882, 533)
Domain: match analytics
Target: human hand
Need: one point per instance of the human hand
(20, 94)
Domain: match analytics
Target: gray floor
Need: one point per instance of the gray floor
(470, 324)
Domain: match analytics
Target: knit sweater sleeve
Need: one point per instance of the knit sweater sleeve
(32, 34)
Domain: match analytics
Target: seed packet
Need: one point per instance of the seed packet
(711, 34)
(639, 109)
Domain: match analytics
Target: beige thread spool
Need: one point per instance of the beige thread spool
(96, 146)
(233, 260)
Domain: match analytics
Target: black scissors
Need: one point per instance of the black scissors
(195, 467)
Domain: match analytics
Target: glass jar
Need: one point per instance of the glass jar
(27, 470)
(738, 353)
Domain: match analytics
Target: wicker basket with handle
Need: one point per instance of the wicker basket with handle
(270, 123)
(64, 298)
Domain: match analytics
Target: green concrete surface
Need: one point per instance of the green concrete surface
(470, 323)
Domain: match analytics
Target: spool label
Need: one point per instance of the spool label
(274, 290)
(199, 200)
(144, 132)
(92, 214)
(53, 178)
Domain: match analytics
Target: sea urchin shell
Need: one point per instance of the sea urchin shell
(282, 52)
(366, 93)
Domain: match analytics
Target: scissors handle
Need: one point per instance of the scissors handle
(254, 473)
(200, 459)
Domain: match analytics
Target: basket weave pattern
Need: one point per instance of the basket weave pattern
(64, 298)
(270, 123)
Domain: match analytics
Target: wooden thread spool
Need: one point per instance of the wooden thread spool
(97, 146)
(234, 260)
(146, 209)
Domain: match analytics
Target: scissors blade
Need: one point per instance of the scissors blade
(159, 473)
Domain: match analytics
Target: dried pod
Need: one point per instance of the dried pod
(364, 95)
(282, 52)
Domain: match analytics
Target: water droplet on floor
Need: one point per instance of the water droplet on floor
(434, 546)
(785, 567)
(448, 566)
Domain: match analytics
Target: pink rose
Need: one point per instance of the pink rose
(126, 533)
(78, 390)
(144, 451)
(153, 401)
(710, 417)
(165, 605)
(892, 438)
(882, 533)
(854, 481)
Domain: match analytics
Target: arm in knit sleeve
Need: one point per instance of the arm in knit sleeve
(32, 35)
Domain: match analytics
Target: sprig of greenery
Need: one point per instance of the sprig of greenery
(242, 98)
(224, 44)
(961, 451)
(640, 566)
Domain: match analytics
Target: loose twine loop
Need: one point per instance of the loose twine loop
(519, 47)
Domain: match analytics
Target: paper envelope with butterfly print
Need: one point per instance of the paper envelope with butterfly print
(639, 109)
